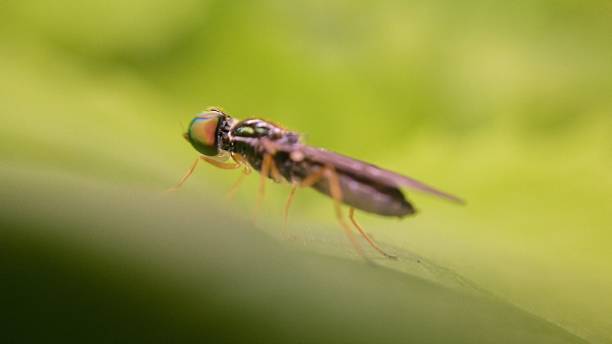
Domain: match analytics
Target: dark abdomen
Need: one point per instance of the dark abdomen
(357, 191)
(369, 197)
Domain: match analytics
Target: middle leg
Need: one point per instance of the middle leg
(267, 165)
(307, 182)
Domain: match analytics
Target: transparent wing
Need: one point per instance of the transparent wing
(371, 172)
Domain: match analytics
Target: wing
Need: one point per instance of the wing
(372, 172)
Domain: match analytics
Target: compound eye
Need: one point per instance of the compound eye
(203, 134)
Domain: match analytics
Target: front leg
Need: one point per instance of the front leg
(219, 164)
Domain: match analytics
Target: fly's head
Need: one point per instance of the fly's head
(207, 131)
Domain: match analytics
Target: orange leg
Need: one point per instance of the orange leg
(294, 187)
(239, 159)
(185, 177)
(336, 193)
(211, 161)
(365, 236)
(264, 172)
(307, 182)
(219, 164)
(270, 150)
(276, 175)
(312, 179)
(232, 191)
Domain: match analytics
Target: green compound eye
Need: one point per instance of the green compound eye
(202, 134)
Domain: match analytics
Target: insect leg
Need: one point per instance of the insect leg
(232, 191)
(312, 179)
(271, 150)
(245, 172)
(185, 177)
(276, 175)
(264, 172)
(294, 187)
(213, 162)
(219, 164)
(307, 182)
(365, 236)
(336, 193)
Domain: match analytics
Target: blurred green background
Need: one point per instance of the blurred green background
(507, 104)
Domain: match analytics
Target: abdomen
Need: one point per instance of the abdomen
(369, 197)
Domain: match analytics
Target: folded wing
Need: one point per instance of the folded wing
(372, 172)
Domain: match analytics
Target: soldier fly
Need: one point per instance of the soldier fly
(279, 154)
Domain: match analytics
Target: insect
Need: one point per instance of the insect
(280, 154)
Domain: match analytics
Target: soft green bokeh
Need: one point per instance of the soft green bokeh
(507, 104)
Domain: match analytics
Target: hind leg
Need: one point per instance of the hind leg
(336, 193)
(365, 236)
